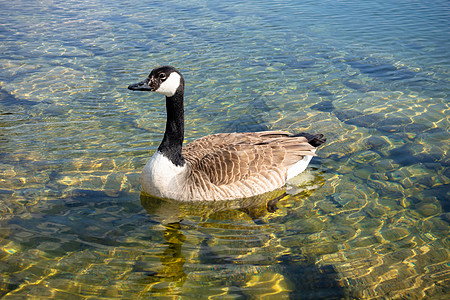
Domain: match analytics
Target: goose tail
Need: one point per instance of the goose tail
(314, 140)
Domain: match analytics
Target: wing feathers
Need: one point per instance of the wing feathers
(230, 165)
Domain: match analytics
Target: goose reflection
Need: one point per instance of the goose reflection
(219, 234)
(172, 275)
(168, 211)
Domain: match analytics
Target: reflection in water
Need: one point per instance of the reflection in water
(169, 211)
(171, 276)
(240, 246)
(203, 217)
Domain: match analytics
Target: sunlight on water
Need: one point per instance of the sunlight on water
(368, 220)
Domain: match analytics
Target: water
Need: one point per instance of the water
(370, 219)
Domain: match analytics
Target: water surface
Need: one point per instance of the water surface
(369, 220)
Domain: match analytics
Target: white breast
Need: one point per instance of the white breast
(161, 178)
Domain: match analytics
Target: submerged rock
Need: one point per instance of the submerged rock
(381, 69)
(428, 209)
(325, 106)
(358, 86)
(376, 142)
(6, 98)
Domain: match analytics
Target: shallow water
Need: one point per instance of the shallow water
(370, 218)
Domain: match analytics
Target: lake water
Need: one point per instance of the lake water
(369, 220)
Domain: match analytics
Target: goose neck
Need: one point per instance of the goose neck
(172, 142)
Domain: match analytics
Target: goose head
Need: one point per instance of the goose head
(165, 80)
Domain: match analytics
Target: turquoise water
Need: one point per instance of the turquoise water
(369, 220)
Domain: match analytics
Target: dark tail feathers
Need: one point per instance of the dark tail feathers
(314, 139)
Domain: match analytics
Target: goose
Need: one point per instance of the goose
(222, 166)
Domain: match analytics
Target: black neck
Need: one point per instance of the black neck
(173, 137)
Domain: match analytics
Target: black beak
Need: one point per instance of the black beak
(141, 86)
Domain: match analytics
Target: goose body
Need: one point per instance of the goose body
(222, 166)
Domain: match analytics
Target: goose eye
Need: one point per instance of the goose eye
(162, 76)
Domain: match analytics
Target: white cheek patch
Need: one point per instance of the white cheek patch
(170, 85)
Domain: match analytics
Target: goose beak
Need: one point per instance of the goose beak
(141, 86)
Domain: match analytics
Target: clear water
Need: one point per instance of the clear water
(369, 220)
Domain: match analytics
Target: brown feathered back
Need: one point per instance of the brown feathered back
(240, 165)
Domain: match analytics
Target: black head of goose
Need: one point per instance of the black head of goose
(221, 166)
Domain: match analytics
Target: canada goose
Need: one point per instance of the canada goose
(221, 166)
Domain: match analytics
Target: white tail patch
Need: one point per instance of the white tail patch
(170, 85)
(299, 166)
